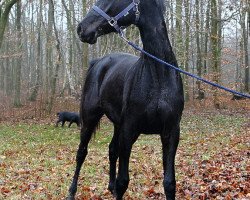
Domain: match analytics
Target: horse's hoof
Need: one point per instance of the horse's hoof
(115, 195)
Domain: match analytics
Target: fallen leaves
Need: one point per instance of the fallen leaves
(225, 176)
(5, 191)
(151, 193)
(213, 162)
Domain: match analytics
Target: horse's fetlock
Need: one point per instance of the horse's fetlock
(169, 185)
(122, 183)
(70, 197)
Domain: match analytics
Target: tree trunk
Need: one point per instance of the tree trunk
(58, 60)
(2, 70)
(37, 85)
(198, 45)
(49, 55)
(220, 27)
(187, 45)
(215, 51)
(206, 38)
(17, 94)
(5, 7)
(179, 42)
(245, 47)
(172, 24)
(85, 45)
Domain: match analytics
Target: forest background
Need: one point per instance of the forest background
(43, 63)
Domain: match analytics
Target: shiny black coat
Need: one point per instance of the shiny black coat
(138, 94)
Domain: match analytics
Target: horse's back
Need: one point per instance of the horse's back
(113, 64)
(104, 84)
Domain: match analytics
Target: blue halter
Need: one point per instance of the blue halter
(113, 21)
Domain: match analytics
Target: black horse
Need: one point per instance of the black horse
(139, 95)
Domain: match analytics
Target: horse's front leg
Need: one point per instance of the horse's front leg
(80, 157)
(127, 138)
(170, 140)
(113, 156)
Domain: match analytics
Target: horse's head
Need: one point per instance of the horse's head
(104, 18)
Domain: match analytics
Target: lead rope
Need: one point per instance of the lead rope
(180, 70)
(135, 5)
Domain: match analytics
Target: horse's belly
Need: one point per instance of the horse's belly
(111, 103)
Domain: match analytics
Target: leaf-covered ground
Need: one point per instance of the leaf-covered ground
(37, 160)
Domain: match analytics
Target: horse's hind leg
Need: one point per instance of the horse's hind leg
(113, 156)
(170, 142)
(86, 133)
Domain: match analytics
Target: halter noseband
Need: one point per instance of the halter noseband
(113, 20)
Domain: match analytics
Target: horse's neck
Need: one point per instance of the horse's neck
(155, 38)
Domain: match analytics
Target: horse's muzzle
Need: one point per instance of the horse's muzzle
(85, 35)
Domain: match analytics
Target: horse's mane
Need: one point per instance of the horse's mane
(161, 5)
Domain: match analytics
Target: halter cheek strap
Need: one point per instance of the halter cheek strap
(113, 20)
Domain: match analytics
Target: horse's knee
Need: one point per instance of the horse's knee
(81, 154)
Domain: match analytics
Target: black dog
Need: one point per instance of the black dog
(70, 117)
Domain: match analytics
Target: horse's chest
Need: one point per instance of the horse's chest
(151, 100)
(151, 106)
(155, 116)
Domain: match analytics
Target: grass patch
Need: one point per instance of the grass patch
(37, 160)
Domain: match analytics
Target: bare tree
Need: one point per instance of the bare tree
(49, 59)
(214, 45)
(244, 20)
(206, 37)
(187, 47)
(179, 34)
(198, 44)
(85, 46)
(38, 71)
(58, 58)
(18, 66)
(5, 7)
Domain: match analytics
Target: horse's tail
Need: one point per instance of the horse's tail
(84, 121)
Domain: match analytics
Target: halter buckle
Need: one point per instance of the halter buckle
(136, 9)
(112, 22)
(136, 2)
